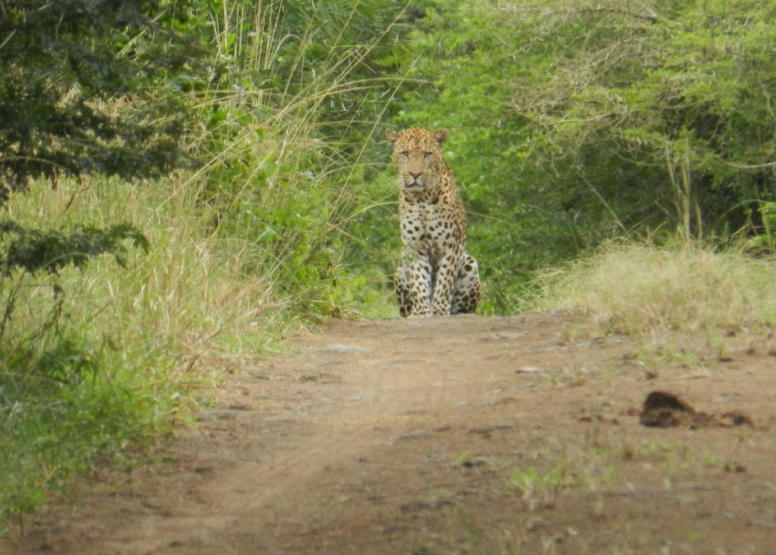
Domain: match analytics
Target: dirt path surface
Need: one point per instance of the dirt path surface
(454, 435)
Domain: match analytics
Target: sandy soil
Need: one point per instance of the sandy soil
(454, 435)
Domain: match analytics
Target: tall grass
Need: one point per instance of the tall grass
(288, 157)
(639, 287)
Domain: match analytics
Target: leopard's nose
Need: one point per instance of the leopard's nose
(415, 175)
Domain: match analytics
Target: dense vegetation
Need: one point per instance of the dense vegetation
(229, 156)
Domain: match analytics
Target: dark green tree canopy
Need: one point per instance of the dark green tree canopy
(72, 98)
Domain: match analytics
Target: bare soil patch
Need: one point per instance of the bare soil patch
(453, 435)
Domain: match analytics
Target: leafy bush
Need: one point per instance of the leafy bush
(73, 98)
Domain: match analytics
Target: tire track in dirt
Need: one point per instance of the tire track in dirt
(363, 393)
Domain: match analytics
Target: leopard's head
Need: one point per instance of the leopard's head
(417, 156)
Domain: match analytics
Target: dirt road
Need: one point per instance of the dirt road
(453, 435)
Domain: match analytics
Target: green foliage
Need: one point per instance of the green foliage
(35, 250)
(103, 358)
(74, 99)
(765, 242)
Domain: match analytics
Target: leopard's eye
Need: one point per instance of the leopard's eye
(427, 155)
(404, 154)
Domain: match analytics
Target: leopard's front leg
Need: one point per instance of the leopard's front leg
(421, 275)
(442, 296)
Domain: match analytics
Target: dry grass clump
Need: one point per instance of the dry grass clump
(635, 288)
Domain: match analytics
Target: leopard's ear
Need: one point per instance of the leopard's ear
(393, 136)
(441, 136)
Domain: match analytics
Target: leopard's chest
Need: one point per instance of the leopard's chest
(429, 227)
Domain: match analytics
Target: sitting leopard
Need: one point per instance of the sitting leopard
(438, 276)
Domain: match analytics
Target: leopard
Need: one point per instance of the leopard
(437, 275)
